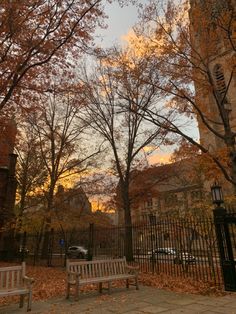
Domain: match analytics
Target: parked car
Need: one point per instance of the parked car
(23, 249)
(171, 254)
(76, 251)
(163, 251)
(184, 258)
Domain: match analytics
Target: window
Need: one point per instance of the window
(149, 203)
(166, 236)
(171, 200)
(196, 195)
(219, 80)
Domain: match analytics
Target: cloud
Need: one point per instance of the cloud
(163, 158)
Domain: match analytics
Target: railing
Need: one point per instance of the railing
(184, 248)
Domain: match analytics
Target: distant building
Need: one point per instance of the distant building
(113, 217)
(73, 199)
(8, 132)
(8, 181)
(171, 189)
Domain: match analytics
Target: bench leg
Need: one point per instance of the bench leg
(136, 283)
(127, 283)
(76, 292)
(22, 300)
(29, 301)
(67, 291)
(100, 287)
(109, 287)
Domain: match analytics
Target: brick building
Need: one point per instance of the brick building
(8, 181)
(171, 189)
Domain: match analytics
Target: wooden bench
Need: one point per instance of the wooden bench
(13, 282)
(97, 272)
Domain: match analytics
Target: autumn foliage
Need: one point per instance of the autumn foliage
(41, 38)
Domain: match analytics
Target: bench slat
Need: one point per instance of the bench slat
(1, 280)
(102, 279)
(7, 279)
(18, 279)
(13, 292)
(7, 268)
(13, 279)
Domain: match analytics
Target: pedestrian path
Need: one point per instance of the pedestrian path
(147, 300)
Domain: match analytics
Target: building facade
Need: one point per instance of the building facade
(175, 190)
(8, 181)
(213, 39)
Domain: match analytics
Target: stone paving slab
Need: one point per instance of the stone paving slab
(147, 300)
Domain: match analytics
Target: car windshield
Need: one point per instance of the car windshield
(76, 248)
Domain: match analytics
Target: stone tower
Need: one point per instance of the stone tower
(213, 37)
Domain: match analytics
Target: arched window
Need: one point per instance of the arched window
(219, 80)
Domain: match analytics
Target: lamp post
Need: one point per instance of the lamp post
(152, 219)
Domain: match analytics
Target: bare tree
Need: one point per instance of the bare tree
(114, 95)
(197, 63)
(55, 122)
(31, 173)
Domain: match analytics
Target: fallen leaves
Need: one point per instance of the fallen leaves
(179, 284)
(50, 283)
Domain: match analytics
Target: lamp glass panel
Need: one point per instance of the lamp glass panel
(216, 192)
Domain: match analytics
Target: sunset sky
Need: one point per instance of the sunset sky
(120, 22)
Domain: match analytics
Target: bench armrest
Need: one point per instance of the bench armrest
(28, 280)
(132, 269)
(73, 275)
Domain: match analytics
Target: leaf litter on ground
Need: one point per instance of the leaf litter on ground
(50, 283)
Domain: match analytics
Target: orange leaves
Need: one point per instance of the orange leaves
(32, 35)
(178, 284)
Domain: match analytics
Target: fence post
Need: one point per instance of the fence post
(91, 242)
(225, 248)
(36, 247)
(152, 221)
(50, 247)
(23, 247)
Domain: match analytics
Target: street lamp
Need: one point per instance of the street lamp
(217, 195)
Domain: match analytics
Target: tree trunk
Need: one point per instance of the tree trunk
(128, 224)
(47, 226)
(233, 170)
(128, 237)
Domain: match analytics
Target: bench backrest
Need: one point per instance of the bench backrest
(98, 268)
(12, 277)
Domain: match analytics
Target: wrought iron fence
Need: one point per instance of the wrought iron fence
(184, 248)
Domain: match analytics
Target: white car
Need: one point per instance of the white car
(77, 252)
(172, 254)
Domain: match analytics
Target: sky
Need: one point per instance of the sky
(120, 21)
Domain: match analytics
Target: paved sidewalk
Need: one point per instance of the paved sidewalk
(147, 301)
